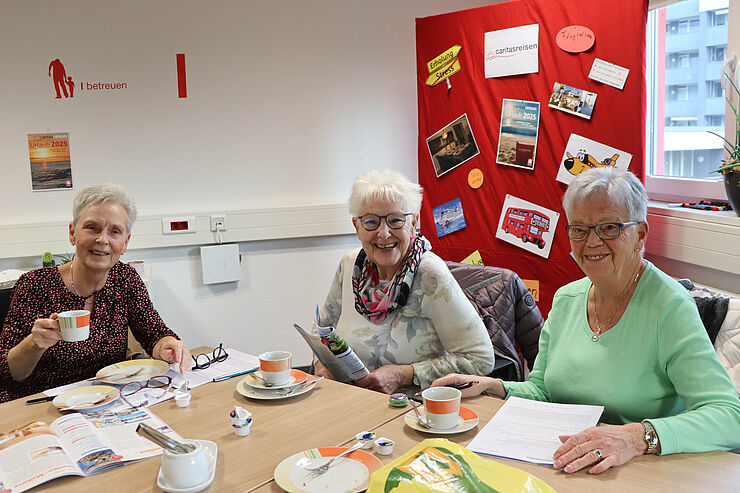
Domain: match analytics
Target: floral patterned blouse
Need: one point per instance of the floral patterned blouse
(438, 331)
(123, 302)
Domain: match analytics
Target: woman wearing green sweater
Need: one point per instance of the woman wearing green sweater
(627, 337)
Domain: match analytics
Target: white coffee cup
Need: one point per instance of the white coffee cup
(185, 470)
(74, 325)
(442, 407)
(275, 367)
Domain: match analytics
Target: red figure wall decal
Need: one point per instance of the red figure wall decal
(59, 75)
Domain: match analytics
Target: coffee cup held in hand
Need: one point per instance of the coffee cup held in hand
(74, 325)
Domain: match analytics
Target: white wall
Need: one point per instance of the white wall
(288, 102)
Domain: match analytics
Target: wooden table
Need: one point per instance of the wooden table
(329, 415)
(710, 471)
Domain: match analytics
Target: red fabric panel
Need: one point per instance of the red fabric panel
(618, 120)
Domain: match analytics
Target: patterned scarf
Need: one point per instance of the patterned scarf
(374, 302)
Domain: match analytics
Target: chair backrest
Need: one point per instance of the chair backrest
(507, 309)
(5, 295)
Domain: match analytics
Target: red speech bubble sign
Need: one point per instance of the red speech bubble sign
(575, 39)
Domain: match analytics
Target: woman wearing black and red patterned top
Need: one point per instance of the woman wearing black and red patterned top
(33, 357)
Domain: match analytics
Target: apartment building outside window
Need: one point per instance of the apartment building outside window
(685, 94)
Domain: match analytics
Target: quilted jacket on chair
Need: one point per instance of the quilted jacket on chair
(507, 308)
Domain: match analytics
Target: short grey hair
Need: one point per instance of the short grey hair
(108, 192)
(384, 186)
(622, 189)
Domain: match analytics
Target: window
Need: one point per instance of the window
(714, 89)
(683, 26)
(691, 36)
(717, 53)
(714, 120)
(682, 59)
(718, 17)
(682, 92)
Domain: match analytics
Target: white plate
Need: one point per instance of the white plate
(81, 399)
(296, 377)
(247, 391)
(467, 420)
(212, 454)
(116, 373)
(347, 474)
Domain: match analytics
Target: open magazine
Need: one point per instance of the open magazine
(333, 352)
(75, 445)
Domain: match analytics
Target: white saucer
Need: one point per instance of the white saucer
(467, 420)
(212, 453)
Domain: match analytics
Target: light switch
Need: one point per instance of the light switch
(220, 263)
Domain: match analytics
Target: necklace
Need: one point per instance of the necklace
(599, 330)
(74, 289)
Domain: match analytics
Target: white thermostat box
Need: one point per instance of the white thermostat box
(220, 263)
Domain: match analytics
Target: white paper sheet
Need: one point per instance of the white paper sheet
(528, 430)
(608, 73)
(237, 361)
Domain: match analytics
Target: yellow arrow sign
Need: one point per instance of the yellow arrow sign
(443, 59)
(439, 75)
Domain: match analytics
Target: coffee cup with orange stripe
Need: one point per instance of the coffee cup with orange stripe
(74, 325)
(275, 367)
(442, 407)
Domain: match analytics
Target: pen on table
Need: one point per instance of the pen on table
(40, 399)
(244, 372)
(459, 386)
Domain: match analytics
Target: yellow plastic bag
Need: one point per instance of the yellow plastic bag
(438, 465)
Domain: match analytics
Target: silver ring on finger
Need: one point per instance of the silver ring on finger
(599, 455)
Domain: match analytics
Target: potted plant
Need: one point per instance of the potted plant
(730, 168)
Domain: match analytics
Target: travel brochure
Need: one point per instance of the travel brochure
(333, 352)
(51, 165)
(517, 141)
(77, 444)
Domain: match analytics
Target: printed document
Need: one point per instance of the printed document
(528, 430)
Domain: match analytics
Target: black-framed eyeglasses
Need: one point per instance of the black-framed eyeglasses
(203, 361)
(394, 220)
(159, 386)
(605, 231)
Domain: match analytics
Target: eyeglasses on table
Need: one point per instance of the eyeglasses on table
(158, 386)
(203, 361)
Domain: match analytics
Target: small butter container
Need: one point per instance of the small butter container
(366, 437)
(183, 399)
(384, 446)
(243, 430)
(398, 400)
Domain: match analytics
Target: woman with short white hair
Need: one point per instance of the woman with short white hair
(394, 301)
(627, 337)
(33, 356)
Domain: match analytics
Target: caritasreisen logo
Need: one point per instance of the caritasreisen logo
(509, 51)
(64, 86)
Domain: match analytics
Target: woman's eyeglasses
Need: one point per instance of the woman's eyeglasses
(158, 386)
(203, 361)
(394, 220)
(605, 231)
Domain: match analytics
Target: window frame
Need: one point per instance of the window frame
(672, 189)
